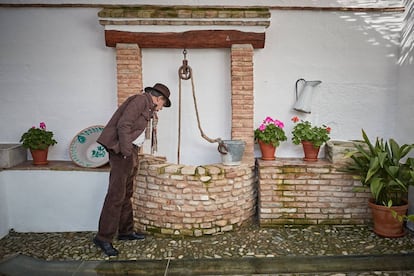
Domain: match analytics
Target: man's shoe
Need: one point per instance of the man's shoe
(132, 236)
(106, 247)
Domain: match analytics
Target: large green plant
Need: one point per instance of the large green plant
(380, 167)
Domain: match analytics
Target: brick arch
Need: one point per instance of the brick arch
(129, 81)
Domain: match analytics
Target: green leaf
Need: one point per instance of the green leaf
(373, 168)
(367, 141)
(376, 187)
(410, 217)
(392, 171)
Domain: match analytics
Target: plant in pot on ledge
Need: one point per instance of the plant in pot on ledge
(38, 140)
(311, 137)
(269, 135)
(380, 167)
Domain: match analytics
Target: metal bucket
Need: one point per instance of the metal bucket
(235, 150)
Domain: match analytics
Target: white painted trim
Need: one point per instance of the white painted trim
(281, 3)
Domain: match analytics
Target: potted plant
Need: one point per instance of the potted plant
(311, 137)
(269, 135)
(38, 140)
(380, 167)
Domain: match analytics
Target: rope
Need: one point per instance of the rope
(185, 72)
(179, 119)
(197, 114)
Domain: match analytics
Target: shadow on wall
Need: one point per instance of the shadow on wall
(388, 27)
(407, 34)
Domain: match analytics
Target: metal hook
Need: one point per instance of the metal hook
(222, 148)
(296, 87)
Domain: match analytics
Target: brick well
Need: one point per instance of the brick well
(192, 200)
(201, 200)
(177, 199)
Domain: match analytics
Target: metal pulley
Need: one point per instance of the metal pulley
(184, 71)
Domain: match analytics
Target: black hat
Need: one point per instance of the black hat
(161, 88)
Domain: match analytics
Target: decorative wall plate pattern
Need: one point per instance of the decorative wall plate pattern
(85, 151)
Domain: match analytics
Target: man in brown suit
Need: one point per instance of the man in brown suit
(118, 137)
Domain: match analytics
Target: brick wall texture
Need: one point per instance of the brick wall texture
(129, 71)
(242, 98)
(292, 191)
(192, 200)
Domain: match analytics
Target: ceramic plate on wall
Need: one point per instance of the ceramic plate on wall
(85, 151)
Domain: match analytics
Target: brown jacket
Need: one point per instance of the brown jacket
(127, 123)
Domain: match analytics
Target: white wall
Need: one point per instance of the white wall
(54, 68)
(405, 118)
(63, 74)
(353, 57)
(52, 202)
(211, 74)
(68, 80)
(289, 3)
(4, 214)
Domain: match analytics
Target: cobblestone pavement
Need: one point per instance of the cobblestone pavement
(246, 242)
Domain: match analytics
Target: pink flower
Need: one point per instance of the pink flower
(262, 127)
(279, 124)
(42, 125)
(295, 119)
(268, 120)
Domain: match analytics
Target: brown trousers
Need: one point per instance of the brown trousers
(116, 215)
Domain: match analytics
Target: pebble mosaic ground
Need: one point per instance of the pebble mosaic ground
(250, 241)
(246, 242)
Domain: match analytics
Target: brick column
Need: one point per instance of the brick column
(129, 70)
(242, 98)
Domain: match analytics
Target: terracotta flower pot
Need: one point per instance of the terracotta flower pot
(385, 225)
(311, 152)
(39, 156)
(268, 151)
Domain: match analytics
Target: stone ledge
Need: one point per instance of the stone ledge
(56, 165)
(63, 165)
(66, 165)
(294, 162)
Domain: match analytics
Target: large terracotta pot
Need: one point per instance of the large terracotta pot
(385, 225)
(39, 156)
(268, 151)
(311, 152)
(410, 224)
